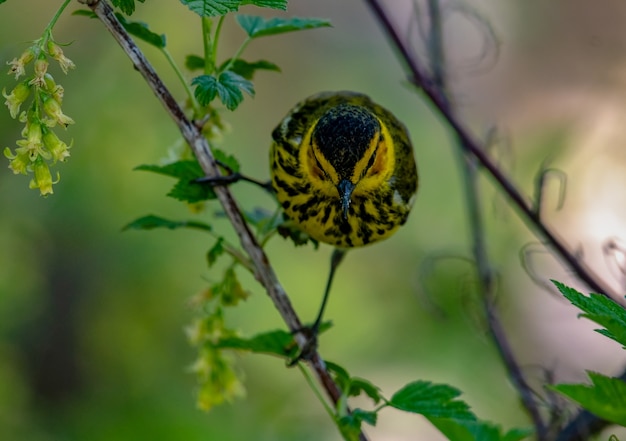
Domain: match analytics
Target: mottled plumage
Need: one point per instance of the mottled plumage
(343, 169)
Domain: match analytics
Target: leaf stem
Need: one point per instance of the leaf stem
(55, 18)
(237, 54)
(209, 65)
(216, 38)
(183, 81)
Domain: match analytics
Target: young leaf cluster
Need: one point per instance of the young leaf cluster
(606, 396)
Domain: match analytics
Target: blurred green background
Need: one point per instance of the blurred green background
(92, 343)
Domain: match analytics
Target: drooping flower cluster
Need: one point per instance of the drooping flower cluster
(39, 147)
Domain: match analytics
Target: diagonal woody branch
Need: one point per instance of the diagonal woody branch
(263, 271)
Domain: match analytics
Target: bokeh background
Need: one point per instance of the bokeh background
(92, 342)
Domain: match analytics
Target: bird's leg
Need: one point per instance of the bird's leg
(335, 259)
(233, 177)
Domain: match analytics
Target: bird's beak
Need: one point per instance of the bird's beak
(345, 189)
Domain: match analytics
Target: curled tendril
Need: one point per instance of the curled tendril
(426, 270)
(540, 183)
(527, 252)
(467, 286)
(614, 251)
(423, 29)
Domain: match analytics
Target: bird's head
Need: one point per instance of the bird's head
(345, 143)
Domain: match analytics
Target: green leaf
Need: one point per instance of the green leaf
(340, 374)
(350, 425)
(212, 8)
(141, 31)
(256, 26)
(228, 86)
(2, 1)
(230, 89)
(517, 434)
(277, 342)
(184, 169)
(126, 6)
(216, 251)
(228, 160)
(605, 397)
(431, 400)
(206, 89)
(232, 291)
(247, 69)
(599, 309)
(194, 62)
(186, 189)
(273, 4)
(151, 222)
(83, 12)
(361, 385)
(467, 430)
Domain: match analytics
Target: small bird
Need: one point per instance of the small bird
(343, 169)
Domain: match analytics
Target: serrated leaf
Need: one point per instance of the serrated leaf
(279, 343)
(247, 69)
(231, 87)
(228, 86)
(256, 26)
(232, 291)
(517, 434)
(194, 62)
(340, 374)
(216, 251)
(151, 222)
(605, 397)
(273, 4)
(431, 400)
(273, 343)
(126, 6)
(212, 8)
(206, 89)
(467, 430)
(228, 160)
(599, 309)
(82, 12)
(141, 31)
(186, 189)
(191, 192)
(350, 425)
(361, 385)
(184, 169)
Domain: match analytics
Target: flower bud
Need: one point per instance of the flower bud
(41, 67)
(18, 64)
(43, 178)
(58, 149)
(53, 109)
(56, 52)
(15, 99)
(18, 162)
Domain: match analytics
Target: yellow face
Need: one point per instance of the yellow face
(371, 171)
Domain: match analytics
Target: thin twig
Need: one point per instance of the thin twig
(264, 272)
(419, 77)
(485, 272)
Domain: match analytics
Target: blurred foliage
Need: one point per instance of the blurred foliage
(91, 319)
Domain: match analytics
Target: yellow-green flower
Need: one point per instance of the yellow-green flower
(19, 161)
(33, 144)
(53, 108)
(57, 148)
(18, 64)
(41, 67)
(43, 178)
(15, 99)
(56, 52)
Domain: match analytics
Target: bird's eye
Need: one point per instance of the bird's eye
(370, 163)
(321, 172)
